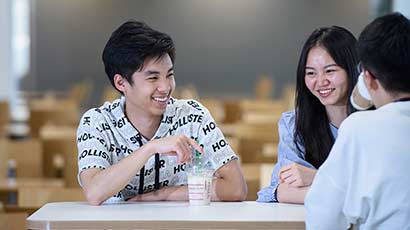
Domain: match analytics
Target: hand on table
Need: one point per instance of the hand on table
(296, 175)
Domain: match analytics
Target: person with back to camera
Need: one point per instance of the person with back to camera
(326, 75)
(365, 182)
(136, 148)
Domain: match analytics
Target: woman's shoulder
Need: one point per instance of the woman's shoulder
(288, 119)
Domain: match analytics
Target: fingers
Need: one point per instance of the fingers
(282, 170)
(183, 152)
(195, 145)
(285, 175)
(179, 145)
(184, 148)
(290, 180)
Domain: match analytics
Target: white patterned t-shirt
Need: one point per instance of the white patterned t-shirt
(105, 136)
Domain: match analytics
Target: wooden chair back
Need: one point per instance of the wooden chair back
(27, 153)
(257, 176)
(4, 117)
(215, 107)
(60, 141)
(13, 221)
(52, 112)
(109, 94)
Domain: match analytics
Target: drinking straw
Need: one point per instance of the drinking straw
(198, 158)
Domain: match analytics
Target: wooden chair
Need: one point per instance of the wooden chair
(109, 94)
(4, 117)
(37, 197)
(80, 93)
(52, 112)
(233, 111)
(265, 172)
(264, 87)
(261, 111)
(14, 221)
(288, 96)
(60, 141)
(257, 176)
(215, 107)
(256, 143)
(27, 153)
(251, 173)
(186, 92)
(3, 157)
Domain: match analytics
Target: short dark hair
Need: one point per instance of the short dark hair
(130, 45)
(311, 122)
(384, 50)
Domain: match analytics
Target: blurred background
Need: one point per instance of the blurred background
(238, 57)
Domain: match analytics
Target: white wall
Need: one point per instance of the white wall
(6, 83)
(402, 6)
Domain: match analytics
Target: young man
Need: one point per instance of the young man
(137, 147)
(365, 182)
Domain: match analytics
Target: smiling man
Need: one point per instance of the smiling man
(138, 146)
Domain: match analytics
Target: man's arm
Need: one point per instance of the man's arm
(324, 205)
(99, 185)
(230, 185)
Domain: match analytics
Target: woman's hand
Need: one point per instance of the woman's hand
(296, 175)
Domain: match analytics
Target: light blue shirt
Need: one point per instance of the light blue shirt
(288, 153)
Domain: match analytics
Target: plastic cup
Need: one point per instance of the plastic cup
(199, 186)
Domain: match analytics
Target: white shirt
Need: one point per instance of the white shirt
(365, 181)
(105, 136)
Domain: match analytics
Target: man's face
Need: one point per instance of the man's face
(152, 88)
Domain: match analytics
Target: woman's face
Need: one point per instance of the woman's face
(325, 79)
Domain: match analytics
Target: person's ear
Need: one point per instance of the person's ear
(370, 81)
(119, 82)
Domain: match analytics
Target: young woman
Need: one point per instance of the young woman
(326, 76)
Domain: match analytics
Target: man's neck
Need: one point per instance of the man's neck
(146, 124)
(386, 97)
(397, 97)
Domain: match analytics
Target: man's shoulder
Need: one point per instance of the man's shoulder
(107, 110)
(190, 106)
(359, 121)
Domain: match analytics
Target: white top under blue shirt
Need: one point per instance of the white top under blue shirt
(288, 153)
(105, 137)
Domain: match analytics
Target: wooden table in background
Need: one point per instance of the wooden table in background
(168, 215)
(8, 186)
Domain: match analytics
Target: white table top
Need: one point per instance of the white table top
(168, 215)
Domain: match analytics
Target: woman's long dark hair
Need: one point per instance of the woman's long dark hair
(312, 123)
